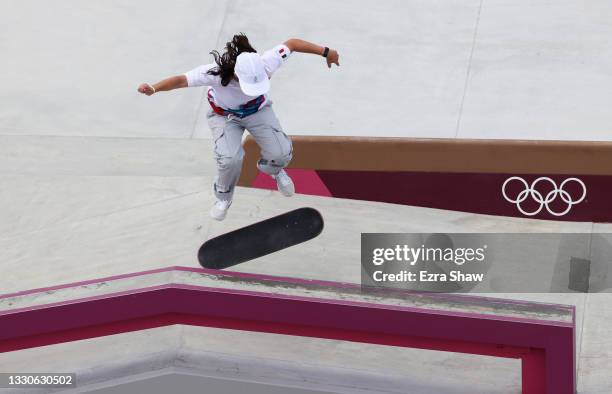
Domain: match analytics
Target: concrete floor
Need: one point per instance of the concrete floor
(98, 180)
(450, 68)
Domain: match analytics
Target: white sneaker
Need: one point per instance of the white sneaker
(284, 183)
(219, 210)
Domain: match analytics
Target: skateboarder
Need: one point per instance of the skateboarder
(238, 83)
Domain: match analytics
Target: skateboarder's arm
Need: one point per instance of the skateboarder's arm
(175, 82)
(297, 45)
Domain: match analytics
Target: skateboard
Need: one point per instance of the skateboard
(261, 238)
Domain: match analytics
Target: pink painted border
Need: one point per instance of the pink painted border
(290, 297)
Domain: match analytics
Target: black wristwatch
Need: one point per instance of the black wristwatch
(325, 52)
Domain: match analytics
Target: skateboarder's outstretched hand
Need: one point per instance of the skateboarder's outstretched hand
(147, 89)
(333, 58)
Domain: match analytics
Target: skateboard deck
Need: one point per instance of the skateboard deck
(261, 238)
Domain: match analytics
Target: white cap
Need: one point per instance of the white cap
(251, 72)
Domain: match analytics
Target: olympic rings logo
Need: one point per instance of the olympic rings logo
(530, 190)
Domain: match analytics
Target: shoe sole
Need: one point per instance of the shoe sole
(219, 219)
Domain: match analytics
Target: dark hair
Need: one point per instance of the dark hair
(227, 60)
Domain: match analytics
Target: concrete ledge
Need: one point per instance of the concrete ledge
(441, 155)
(541, 335)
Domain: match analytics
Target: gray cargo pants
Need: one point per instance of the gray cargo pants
(227, 131)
